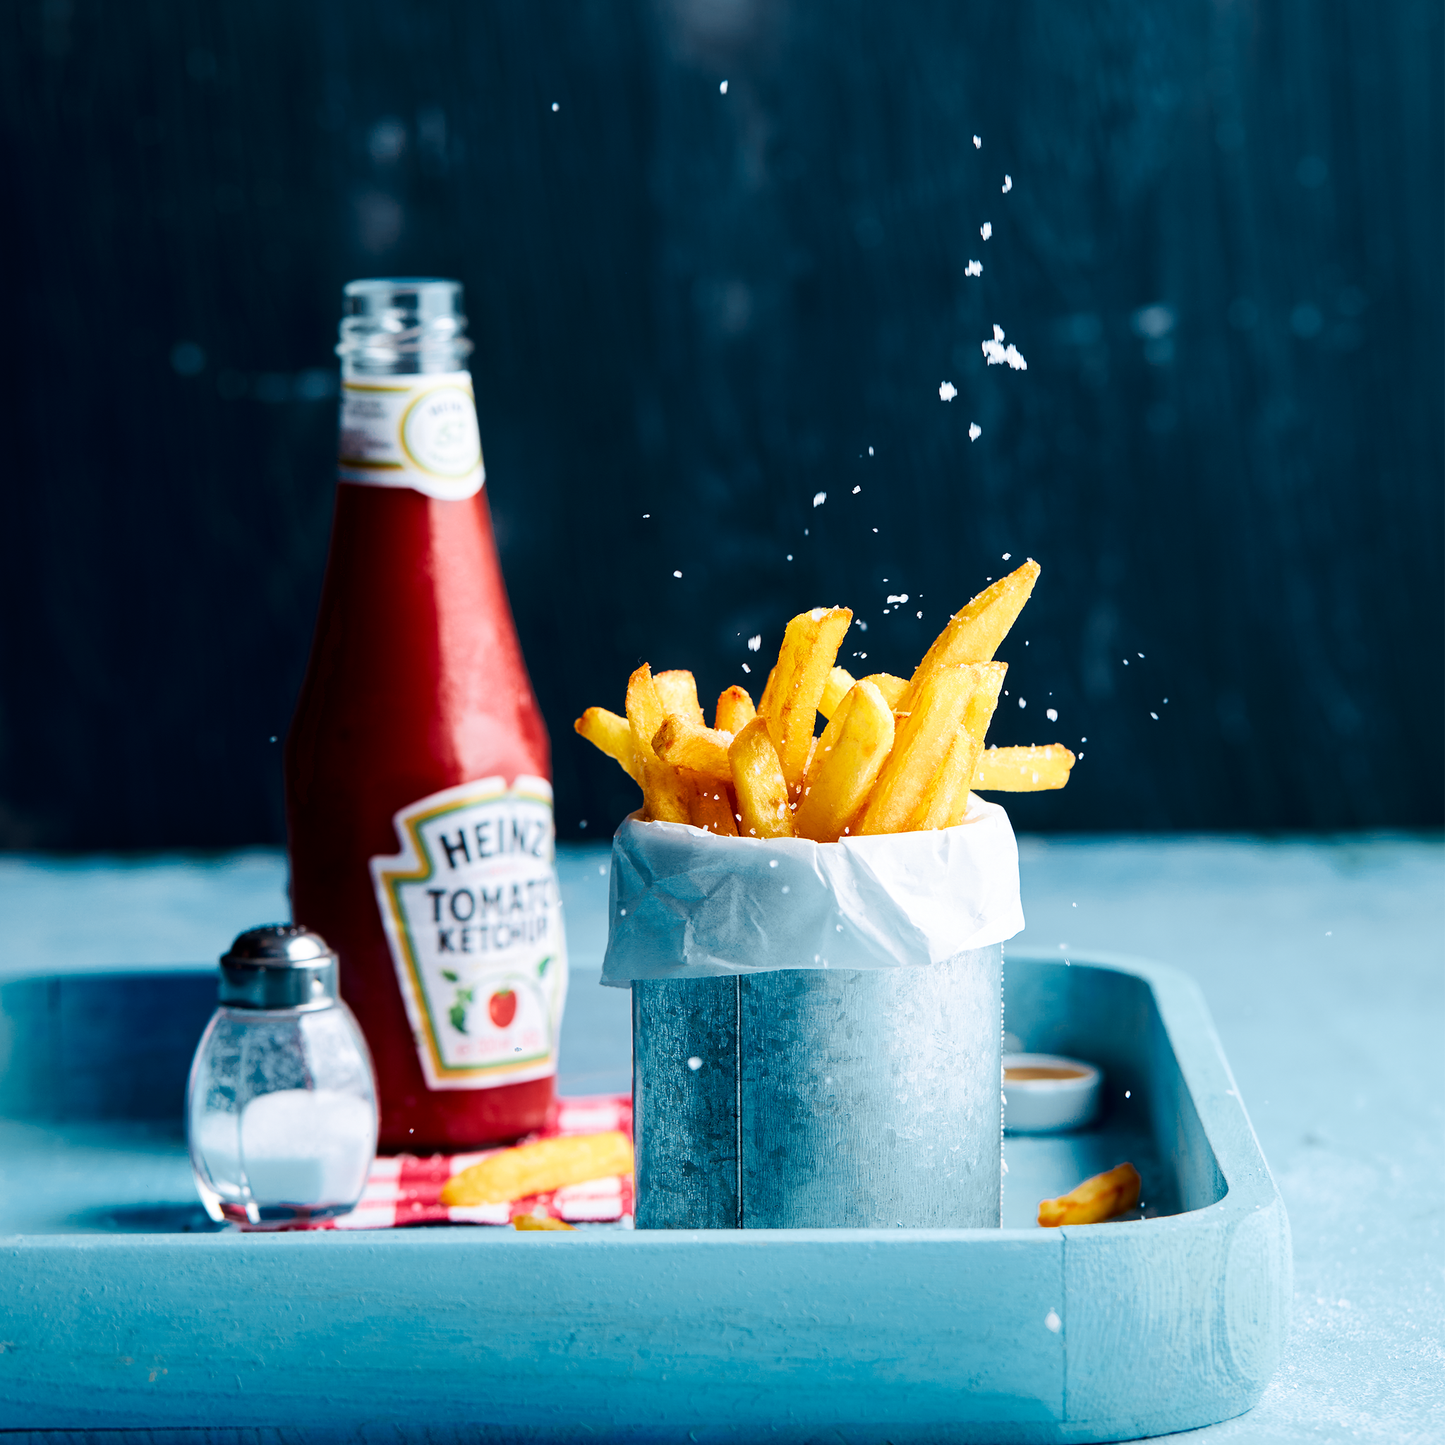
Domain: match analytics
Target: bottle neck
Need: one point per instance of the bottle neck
(402, 326)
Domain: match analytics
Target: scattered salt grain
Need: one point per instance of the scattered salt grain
(695, 1063)
(746, 668)
(974, 268)
(754, 643)
(856, 490)
(947, 391)
(1155, 716)
(1007, 555)
(974, 431)
(819, 498)
(1023, 702)
(1008, 184)
(1052, 1322)
(677, 574)
(555, 107)
(723, 88)
(817, 613)
(997, 332)
(870, 451)
(977, 143)
(986, 230)
(772, 862)
(901, 597)
(1052, 714)
(790, 556)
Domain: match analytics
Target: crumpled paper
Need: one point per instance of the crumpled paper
(689, 904)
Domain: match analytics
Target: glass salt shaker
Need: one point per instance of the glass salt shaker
(281, 1104)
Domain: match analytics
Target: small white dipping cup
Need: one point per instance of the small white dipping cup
(1063, 1095)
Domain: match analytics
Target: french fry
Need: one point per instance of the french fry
(851, 753)
(761, 788)
(766, 700)
(946, 802)
(920, 746)
(810, 645)
(1093, 1201)
(686, 744)
(664, 794)
(711, 806)
(891, 687)
(538, 1221)
(975, 630)
(1022, 770)
(610, 733)
(735, 710)
(678, 690)
(839, 685)
(539, 1168)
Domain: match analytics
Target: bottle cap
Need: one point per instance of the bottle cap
(278, 966)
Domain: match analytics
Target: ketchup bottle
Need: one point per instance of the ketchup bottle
(418, 800)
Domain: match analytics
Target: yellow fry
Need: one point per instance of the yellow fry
(762, 791)
(891, 687)
(975, 631)
(839, 685)
(686, 744)
(920, 746)
(946, 802)
(534, 1221)
(766, 700)
(711, 806)
(1022, 770)
(539, 1168)
(810, 646)
(612, 734)
(851, 752)
(678, 690)
(1095, 1200)
(735, 710)
(664, 795)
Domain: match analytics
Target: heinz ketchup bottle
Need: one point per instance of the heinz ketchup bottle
(417, 765)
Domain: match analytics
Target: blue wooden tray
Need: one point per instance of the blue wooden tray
(120, 1308)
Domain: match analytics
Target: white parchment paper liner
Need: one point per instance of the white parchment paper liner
(689, 904)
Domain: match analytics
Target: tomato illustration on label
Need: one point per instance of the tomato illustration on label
(502, 1006)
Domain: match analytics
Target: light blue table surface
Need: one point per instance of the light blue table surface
(1323, 961)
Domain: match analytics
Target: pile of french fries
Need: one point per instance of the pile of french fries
(897, 755)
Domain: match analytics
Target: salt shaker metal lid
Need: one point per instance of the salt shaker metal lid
(278, 966)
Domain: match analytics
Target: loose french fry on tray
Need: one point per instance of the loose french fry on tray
(1022, 770)
(762, 790)
(839, 685)
(805, 660)
(1095, 1200)
(686, 744)
(920, 746)
(526, 1222)
(975, 630)
(539, 1168)
(610, 733)
(891, 687)
(851, 752)
(735, 710)
(947, 801)
(664, 793)
(677, 689)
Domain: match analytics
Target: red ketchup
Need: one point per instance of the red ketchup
(418, 796)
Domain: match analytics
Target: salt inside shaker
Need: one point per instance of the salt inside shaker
(281, 1104)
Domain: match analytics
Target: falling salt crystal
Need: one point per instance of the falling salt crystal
(694, 1063)
(723, 88)
(1015, 359)
(755, 642)
(1022, 703)
(623, 912)
(746, 668)
(1155, 716)
(772, 862)
(997, 332)
(974, 268)
(977, 143)
(861, 625)
(986, 230)
(856, 490)
(1052, 714)
(677, 574)
(790, 556)
(947, 391)
(1141, 654)
(870, 451)
(555, 107)
(1128, 1093)
(1052, 1322)
(919, 614)
(646, 515)
(1008, 184)
(901, 597)
(974, 431)
(819, 498)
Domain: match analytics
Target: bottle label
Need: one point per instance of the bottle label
(474, 919)
(412, 431)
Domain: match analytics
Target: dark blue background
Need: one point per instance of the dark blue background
(1221, 255)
